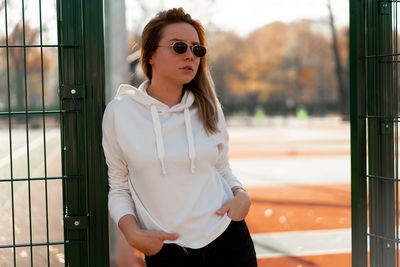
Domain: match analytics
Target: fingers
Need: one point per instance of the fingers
(224, 209)
(167, 236)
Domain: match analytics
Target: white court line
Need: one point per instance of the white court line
(32, 145)
(302, 243)
(303, 170)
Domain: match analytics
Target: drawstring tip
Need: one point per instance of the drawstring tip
(164, 171)
(193, 167)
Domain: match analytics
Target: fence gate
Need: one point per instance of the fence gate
(374, 59)
(53, 186)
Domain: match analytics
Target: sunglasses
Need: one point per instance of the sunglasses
(181, 47)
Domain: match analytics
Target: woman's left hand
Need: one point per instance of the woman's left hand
(236, 207)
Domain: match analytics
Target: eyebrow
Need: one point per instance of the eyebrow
(177, 39)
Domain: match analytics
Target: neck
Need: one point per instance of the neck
(169, 94)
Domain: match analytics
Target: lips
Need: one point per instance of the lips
(188, 68)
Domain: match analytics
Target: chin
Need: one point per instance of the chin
(186, 81)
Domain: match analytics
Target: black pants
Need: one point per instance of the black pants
(233, 248)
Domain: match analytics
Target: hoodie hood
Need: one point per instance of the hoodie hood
(140, 95)
(155, 107)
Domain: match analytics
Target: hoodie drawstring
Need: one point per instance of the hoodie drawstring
(160, 142)
(189, 135)
(159, 139)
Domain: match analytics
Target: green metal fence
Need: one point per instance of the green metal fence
(374, 132)
(53, 187)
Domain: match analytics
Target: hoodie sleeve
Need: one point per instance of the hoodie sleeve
(222, 164)
(120, 201)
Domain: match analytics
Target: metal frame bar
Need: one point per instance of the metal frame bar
(40, 46)
(40, 244)
(358, 134)
(27, 133)
(44, 135)
(72, 138)
(374, 93)
(381, 99)
(36, 112)
(10, 134)
(395, 134)
(40, 178)
(81, 135)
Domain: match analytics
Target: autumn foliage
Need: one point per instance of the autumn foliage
(21, 70)
(281, 65)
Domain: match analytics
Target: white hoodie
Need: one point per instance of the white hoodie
(164, 169)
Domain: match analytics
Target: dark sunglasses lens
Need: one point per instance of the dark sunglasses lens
(199, 50)
(180, 47)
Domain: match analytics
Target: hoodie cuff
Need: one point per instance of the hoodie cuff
(234, 182)
(118, 216)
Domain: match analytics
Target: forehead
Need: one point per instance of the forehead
(180, 31)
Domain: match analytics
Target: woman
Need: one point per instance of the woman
(172, 192)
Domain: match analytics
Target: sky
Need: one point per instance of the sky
(246, 16)
(32, 17)
(238, 15)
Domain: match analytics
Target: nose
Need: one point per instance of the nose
(189, 54)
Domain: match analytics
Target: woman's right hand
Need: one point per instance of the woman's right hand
(149, 242)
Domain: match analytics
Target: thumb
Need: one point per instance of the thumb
(224, 209)
(167, 236)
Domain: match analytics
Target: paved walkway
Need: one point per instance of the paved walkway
(298, 177)
(291, 170)
(302, 243)
(36, 220)
(288, 221)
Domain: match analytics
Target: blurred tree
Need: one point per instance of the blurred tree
(284, 61)
(221, 50)
(310, 59)
(17, 57)
(342, 82)
(260, 62)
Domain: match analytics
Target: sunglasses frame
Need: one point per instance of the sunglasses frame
(187, 45)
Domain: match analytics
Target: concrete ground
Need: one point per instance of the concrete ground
(34, 222)
(298, 177)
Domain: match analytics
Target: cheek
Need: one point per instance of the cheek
(163, 63)
(197, 66)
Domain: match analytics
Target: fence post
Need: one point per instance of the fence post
(82, 93)
(358, 132)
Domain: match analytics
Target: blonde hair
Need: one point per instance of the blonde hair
(202, 85)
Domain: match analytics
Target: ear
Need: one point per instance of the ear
(151, 61)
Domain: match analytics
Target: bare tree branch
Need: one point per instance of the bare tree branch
(343, 87)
